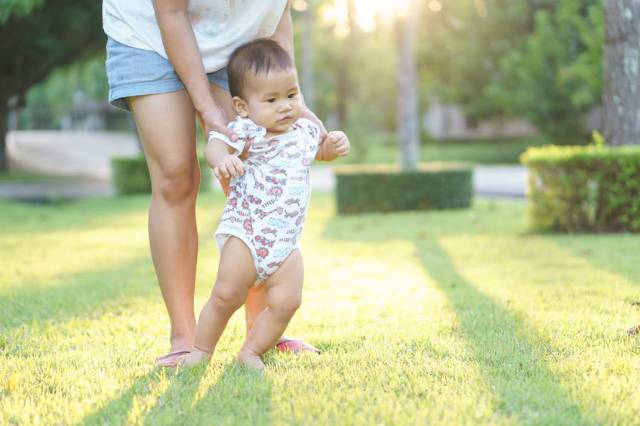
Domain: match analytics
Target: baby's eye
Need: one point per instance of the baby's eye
(271, 100)
(293, 95)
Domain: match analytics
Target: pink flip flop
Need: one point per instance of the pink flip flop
(295, 346)
(171, 359)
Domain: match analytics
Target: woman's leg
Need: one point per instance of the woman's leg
(166, 124)
(255, 304)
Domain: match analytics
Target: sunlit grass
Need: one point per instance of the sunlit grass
(438, 317)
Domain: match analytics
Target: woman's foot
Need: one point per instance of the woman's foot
(250, 359)
(180, 346)
(195, 357)
(172, 359)
(296, 346)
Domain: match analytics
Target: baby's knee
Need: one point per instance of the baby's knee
(286, 306)
(225, 296)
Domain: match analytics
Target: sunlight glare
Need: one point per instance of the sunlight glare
(368, 13)
(300, 5)
(435, 6)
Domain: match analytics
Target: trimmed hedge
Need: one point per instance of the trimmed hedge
(130, 175)
(584, 188)
(384, 188)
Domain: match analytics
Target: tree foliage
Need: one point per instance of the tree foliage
(462, 46)
(555, 77)
(538, 59)
(53, 34)
(17, 8)
(37, 37)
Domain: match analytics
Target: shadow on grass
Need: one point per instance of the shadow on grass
(615, 253)
(116, 411)
(510, 355)
(172, 407)
(19, 218)
(83, 293)
(240, 396)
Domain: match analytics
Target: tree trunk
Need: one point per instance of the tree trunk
(407, 82)
(622, 72)
(4, 127)
(345, 91)
(306, 57)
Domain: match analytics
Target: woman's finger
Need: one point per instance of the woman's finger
(229, 133)
(215, 120)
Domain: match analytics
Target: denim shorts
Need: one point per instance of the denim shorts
(135, 72)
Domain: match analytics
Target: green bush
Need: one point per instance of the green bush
(584, 188)
(130, 175)
(384, 188)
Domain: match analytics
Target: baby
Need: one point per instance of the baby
(260, 228)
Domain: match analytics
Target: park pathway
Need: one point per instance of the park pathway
(86, 155)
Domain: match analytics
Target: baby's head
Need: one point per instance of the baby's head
(264, 85)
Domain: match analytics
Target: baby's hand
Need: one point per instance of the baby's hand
(340, 143)
(231, 166)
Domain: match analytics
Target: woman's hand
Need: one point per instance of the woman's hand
(216, 120)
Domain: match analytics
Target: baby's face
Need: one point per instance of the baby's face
(272, 100)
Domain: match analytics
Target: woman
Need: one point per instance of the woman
(166, 64)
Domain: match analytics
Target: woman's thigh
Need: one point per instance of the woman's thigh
(166, 124)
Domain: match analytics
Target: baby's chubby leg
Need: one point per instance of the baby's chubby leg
(284, 295)
(236, 274)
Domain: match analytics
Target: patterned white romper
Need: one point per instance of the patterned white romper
(266, 207)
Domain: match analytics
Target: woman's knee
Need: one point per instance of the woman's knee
(176, 183)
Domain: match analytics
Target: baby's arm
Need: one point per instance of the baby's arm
(335, 145)
(220, 157)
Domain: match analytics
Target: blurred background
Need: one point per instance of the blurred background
(429, 80)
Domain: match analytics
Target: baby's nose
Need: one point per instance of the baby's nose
(286, 106)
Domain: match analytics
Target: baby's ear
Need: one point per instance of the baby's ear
(240, 106)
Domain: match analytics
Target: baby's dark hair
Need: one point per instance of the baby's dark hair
(259, 56)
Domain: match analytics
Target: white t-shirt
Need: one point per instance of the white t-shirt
(219, 25)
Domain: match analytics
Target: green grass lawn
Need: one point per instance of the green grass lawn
(13, 176)
(424, 318)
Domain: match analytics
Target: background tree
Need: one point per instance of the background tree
(622, 72)
(555, 77)
(305, 27)
(408, 89)
(37, 37)
(461, 46)
(538, 59)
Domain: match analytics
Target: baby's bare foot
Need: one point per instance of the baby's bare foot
(250, 359)
(195, 357)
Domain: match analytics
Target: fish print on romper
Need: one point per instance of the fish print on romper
(267, 205)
